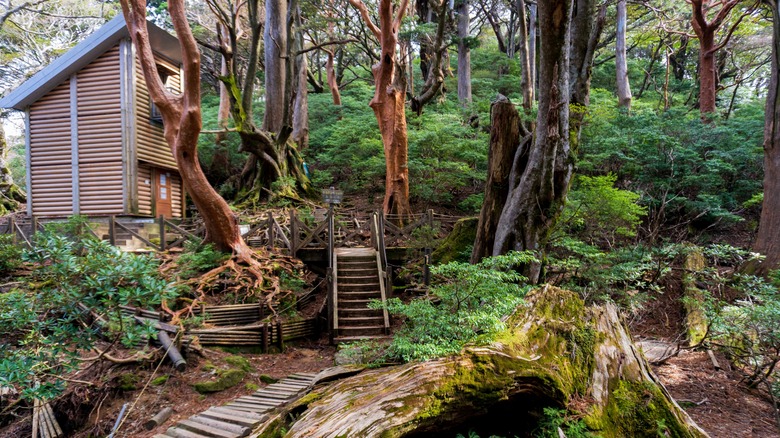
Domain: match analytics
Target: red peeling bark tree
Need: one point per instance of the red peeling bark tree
(389, 104)
(182, 122)
(706, 30)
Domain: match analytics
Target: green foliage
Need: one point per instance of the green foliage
(225, 379)
(45, 332)
(198, 258)
(555, 419)
(629, 276)
(597, 212)
(685, 171)
(465, 305)
(749, 329)
(447, 156)
(10, 254)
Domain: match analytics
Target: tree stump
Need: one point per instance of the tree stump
(555, 352)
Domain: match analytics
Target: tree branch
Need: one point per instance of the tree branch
(361, 7)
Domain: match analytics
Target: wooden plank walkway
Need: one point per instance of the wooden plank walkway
(242, 415)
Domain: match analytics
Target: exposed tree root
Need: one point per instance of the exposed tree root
(251, 275)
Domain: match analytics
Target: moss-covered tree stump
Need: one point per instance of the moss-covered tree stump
(555, 353)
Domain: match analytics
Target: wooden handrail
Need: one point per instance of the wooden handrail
(382, 279)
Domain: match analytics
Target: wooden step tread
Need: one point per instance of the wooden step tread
(177, 432)
(362, 338)
(227, 411)
(198, 423)
(238, 418)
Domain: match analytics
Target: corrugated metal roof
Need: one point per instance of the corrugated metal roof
(82, 54)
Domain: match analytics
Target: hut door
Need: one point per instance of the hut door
(162, 193)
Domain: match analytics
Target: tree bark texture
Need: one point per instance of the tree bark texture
(275, 46)
(300, 115)
(526, 80)
(532, 42)
(330, 68)
(538, 184)
(555, 351)
(464, 53)
(621, 64)
(768, 237)
(705, 31)
(389, 104)
(505, 142)
(11, 196)
(182, 123)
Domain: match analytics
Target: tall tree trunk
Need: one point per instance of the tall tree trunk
(768, 237)
(300, 116)
(330, 68)
(275, 46)
(526, 82)
(464, 53)
(11, 196)
(621, 66)
(539, 185)
(507, 146)
(705, 30)
(389, 104)
(182, 124)
(532, 44)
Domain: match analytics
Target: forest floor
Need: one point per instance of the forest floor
(717, 400)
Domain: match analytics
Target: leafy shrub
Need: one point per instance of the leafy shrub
(597, 212)
(555, 419)
(198, 258)
(749, 329)
(10, 254)
(686, 171)
(465, 305)
(44, 328)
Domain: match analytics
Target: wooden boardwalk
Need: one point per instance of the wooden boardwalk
(242, 415)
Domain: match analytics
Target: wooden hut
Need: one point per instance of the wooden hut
(94, 140)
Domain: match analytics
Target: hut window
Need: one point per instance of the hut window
(155, 114)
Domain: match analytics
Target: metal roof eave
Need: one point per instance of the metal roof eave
(80, 56)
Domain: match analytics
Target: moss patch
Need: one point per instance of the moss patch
(239, 362)
(127, 382)
(160, 380)
(225, 379)
(456, 246)
(265, 378)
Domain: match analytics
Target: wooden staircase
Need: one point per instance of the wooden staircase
(358, 279)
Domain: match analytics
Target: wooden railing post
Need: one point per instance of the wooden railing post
(271, 230)
(111, 230)
(162, 233)
(12, 229)
(294, 238)
(329, 282)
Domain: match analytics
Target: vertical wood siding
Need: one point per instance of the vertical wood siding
(100, 136)
(51, 181)
(151, 146)
(176, 195)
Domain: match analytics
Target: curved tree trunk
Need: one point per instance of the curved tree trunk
(389, 104)
(554, 353)
(182, 124)
(275, 46)
(768, 237)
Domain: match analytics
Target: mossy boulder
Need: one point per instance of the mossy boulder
(456, 247)
(225, 379)
(555, 353)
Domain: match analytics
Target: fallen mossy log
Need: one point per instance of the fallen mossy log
(555, 353)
